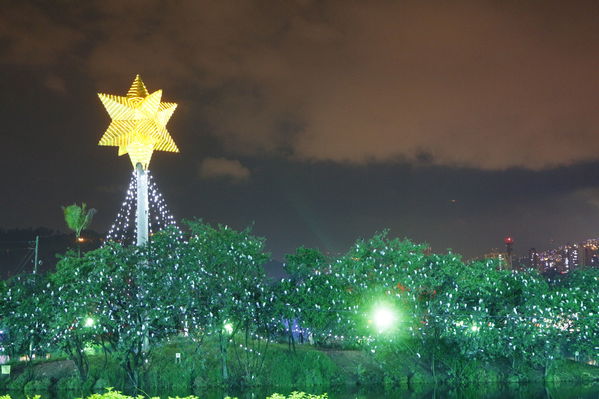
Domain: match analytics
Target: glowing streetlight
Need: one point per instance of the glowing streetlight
(383, 318)
(89, 322)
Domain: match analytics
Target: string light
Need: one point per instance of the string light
(123, 230)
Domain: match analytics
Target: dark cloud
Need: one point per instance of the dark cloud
(56, 84)
(211, 168)
(32, 38)
(482, 84)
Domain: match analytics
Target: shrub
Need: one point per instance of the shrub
(41, 385)
(302, 369)
(166, 376)
(298, 395)
(18, 384)
(71, 383)
(100, 385)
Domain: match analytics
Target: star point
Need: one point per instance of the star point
(138, 126)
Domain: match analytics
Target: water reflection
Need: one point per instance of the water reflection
(519, 391)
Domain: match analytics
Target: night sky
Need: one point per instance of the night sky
(319, 122)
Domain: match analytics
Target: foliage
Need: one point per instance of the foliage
(112, 394)
(225, 269)
(70, 384)
(26, 313)
(305, 262)
(303, 369)
(38, 385)
(296, 298)
(78, 218)
(447, 319)
(297, 395)
(72, 323)
(579, 300)
(19, 383)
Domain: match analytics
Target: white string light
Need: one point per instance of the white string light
(123, 229)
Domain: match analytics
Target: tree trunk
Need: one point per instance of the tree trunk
(223, 356)
(291, 342)
(547, 369)
(77, 355)
(433, 369)
(105, 350)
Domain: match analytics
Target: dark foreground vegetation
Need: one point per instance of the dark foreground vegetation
(305, 369)
(387, 312)
(111, 394)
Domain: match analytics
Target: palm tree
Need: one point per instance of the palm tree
(78, 218)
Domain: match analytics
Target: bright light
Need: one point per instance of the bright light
(89, 322)
(228, 328)
(475, 328)
(80, 239)
(138, 123)
(383, 318)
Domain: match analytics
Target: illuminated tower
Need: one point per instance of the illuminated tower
(509, 249)
(138, 128)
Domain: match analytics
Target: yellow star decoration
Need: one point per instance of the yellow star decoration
(138, 124)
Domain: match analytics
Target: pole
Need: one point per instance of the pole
(35, 258)
(142, 205)
(142, 216)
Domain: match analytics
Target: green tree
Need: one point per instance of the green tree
(581, 305)
(134, 310)
(305, 262)
(26, 313)
(122, 289)
(296, 296)
(73, 323)
(231, 263)
(78, 218)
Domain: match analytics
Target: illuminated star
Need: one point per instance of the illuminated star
(138, 124)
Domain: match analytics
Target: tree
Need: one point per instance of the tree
(26, 314)
(133, 310)
(231, 263)
(295, 296)
(581, 305)
(78, 218)
(73, 323)
(305, 262)
(114, 296)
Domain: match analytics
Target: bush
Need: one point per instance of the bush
(570, 371)
(168, 376)
(18, 384)
(298, 395)
(108, 371)
(369, 375)
(35, 386)
(101, 385)
(71, 383)
(302, 369)
(110, 394)
(419, 378)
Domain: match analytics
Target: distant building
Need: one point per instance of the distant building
(501, 256)
(569, 257)
(509, 251)
(560, 260)
(533, 259)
